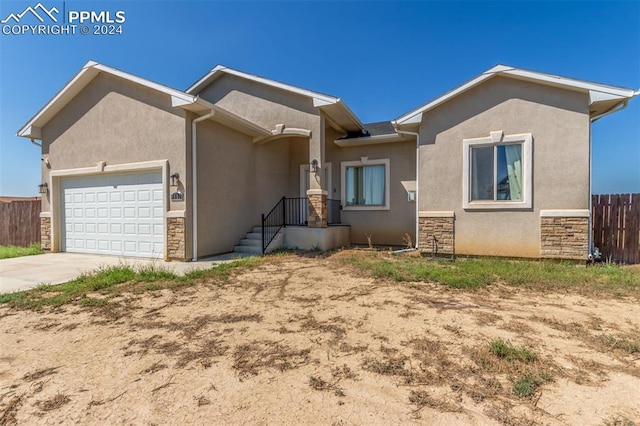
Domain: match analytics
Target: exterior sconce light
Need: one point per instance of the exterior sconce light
(42, 188)
(314, 165)
(175, 178)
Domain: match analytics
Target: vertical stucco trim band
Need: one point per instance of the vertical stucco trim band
(417, 135)
(194, 180)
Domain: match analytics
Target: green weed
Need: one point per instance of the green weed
(507, 351)
(481, 272)
(7, 252)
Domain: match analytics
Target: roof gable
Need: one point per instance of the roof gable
(602, 98)
(32, 129)
(334, 108)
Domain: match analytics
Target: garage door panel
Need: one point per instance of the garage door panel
(126, 211)
(129, 196)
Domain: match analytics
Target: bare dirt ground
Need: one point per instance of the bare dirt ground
(309, 341)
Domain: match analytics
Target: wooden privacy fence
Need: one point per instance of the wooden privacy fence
(20, 222)
(616, 226)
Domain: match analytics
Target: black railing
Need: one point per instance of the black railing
(293, 212)
(333, 211)
(272, 222)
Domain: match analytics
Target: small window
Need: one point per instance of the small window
(497, 172)
(365, 184)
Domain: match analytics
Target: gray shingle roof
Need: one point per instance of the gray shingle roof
(379, 128)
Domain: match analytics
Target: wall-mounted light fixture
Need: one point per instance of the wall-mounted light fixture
(175, 178)
(314, 165)
(42, 188)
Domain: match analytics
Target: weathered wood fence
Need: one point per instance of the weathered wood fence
(20, 222)
(616, 226)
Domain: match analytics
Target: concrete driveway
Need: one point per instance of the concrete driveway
(23, 273)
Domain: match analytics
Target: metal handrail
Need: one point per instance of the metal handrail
(272, 223)
(293, 212)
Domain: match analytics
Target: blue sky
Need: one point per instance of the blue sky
(382, 58)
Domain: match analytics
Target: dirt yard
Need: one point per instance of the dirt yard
(301, 340)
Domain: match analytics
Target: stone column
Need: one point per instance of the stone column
(317, 208)
(176, 235)
(45, 233)
(317, 195)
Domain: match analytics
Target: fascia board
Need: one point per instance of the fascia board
(569, 82)
(69, 90)
(215, 72)
(370, 140)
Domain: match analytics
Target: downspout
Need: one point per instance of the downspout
(194, 181)
(35, 143)
(417, 135)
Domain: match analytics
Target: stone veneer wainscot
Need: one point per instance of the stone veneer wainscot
(439, 225)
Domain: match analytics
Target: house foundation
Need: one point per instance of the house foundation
(321, 239)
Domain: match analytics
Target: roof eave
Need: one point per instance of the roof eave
(370, 140)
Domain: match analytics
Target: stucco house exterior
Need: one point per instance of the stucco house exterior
(498, 166)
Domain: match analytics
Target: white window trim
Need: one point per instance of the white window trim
(498, 138)
(365, 161)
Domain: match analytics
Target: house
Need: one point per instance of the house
(498, 166)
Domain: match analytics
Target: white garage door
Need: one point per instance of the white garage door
(117, 214)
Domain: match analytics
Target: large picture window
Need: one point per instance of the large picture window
(498, 171)
(365, 184)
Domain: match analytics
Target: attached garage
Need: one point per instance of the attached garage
(115, 213)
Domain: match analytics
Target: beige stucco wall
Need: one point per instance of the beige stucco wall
(559, 123)
(238, 181)
(261, 104)
(386, 227)
(118, 122)
(268, 106)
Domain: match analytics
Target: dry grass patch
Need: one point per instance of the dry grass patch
(8, 413)
(318, 384)
(53, 403)
(38, 374)
(250, 358)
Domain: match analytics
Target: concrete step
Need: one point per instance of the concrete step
(251, 242)
(257, 229)
(254, 236)
(248, 249)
